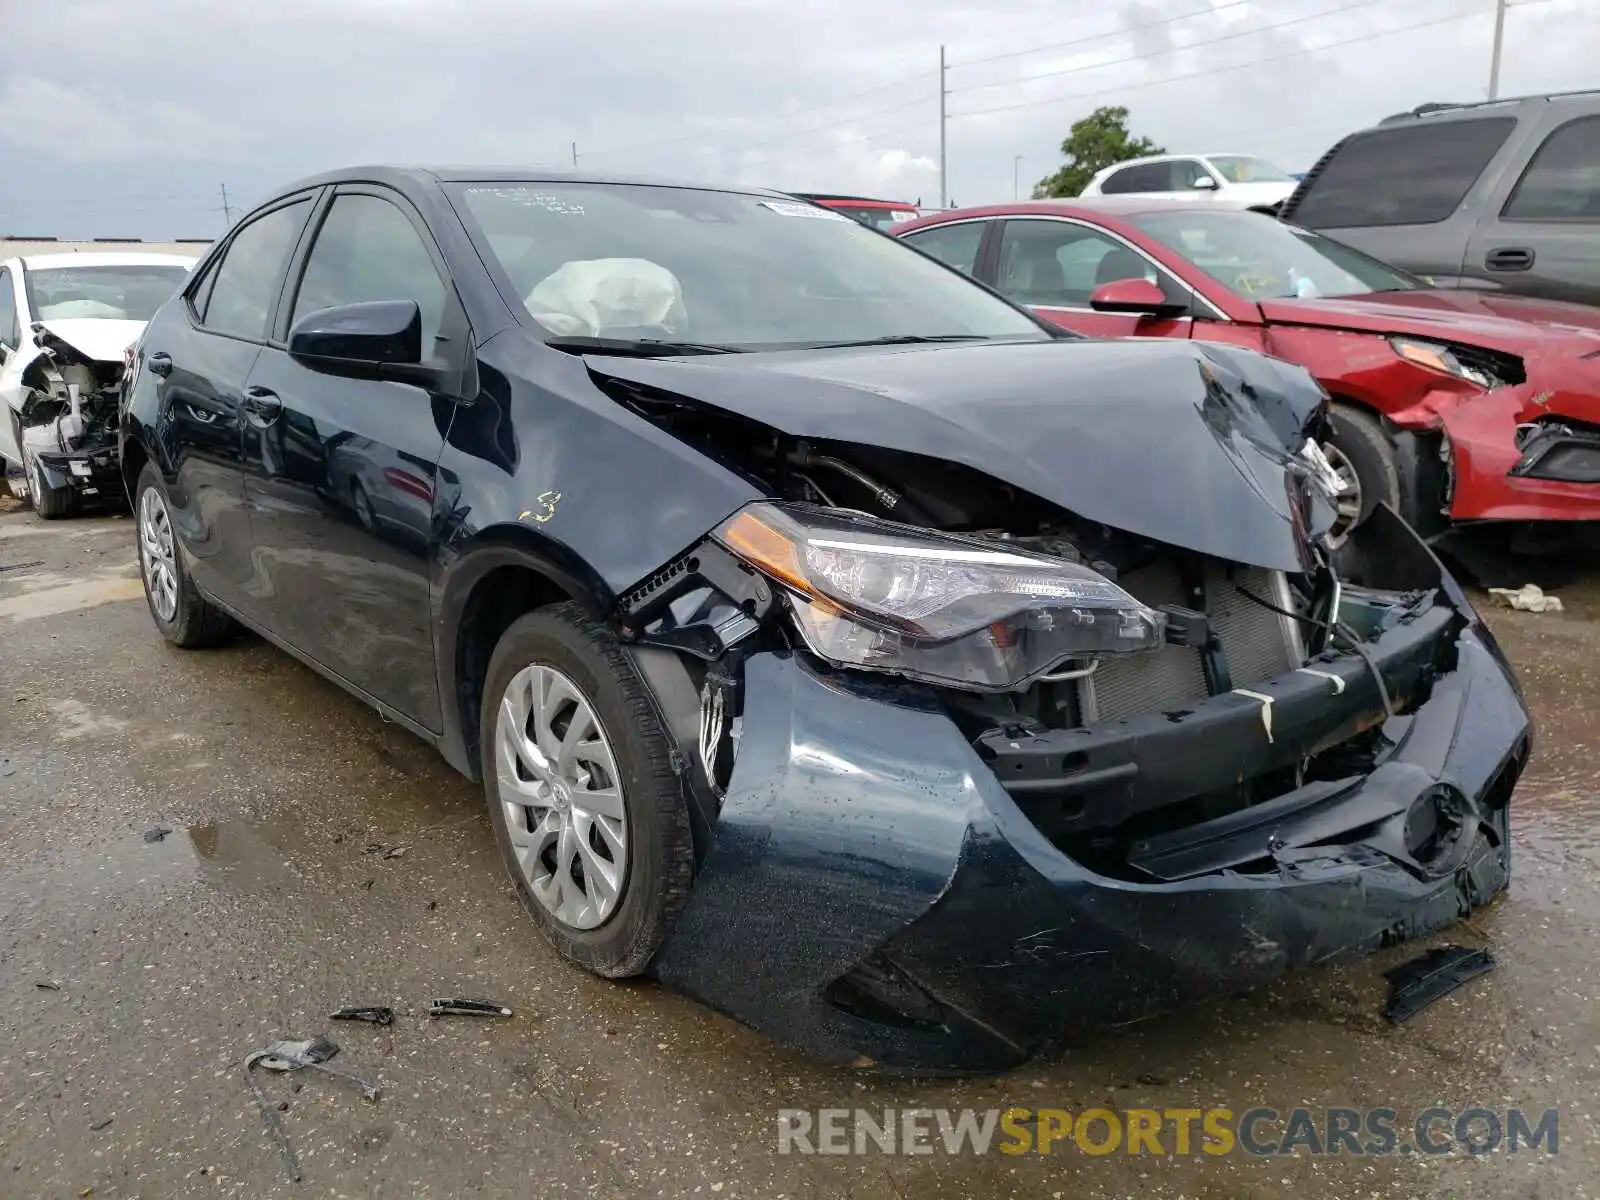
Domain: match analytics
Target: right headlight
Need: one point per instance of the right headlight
(938, 607)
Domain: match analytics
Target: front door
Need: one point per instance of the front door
(340, 476)
(1053, 266)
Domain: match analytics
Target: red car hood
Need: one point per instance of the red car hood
(1518, 325)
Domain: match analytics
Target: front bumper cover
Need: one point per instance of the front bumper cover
(93, 475)
(873, 892)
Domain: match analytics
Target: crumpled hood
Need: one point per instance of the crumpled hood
(1182, 442)
(98, 338)
(1522, 325)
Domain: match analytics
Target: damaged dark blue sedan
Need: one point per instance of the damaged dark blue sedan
(832, 640)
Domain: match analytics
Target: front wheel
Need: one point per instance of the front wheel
(586, 807)
(184, 616)
(1363, 459)
(50, 503)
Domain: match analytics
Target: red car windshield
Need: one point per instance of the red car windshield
(1263, 259)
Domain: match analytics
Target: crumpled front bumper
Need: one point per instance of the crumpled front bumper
(874, 893)
(1496, 479)
(92, 474)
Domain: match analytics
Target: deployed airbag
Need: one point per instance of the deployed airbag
(592, 296)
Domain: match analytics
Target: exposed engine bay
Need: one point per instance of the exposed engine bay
(1233, 651)
(68, 425)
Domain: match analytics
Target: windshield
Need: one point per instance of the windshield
(720, 269)
(1241, 168)
(125, 293)
(1263, 259)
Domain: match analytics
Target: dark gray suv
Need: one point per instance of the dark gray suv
(1498, 194)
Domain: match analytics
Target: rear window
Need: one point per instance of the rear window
(1562, 182)
(1417, 175)
(1146, 177)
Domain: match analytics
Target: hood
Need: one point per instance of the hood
(1519, 325)
(96, 338)
(1185, 443)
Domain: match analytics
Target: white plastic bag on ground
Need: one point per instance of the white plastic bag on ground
(591, 295)
(1529, 597)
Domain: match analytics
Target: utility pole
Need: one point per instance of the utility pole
(1016, 161)
(574, 153)
(944, 195)
(1494, 55)
(227, 209)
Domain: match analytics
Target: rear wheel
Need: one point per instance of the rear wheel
(1364, 461)
(578, 775)
(184, 616)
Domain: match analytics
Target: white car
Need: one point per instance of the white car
(66, 323)
(1242, 180)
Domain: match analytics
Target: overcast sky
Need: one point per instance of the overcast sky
(123, 117)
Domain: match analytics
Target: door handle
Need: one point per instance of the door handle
(1509, 258)
(261, 405)
(159, 364)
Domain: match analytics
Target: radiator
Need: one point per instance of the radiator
(1257, 643)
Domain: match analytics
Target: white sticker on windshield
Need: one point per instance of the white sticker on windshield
(785, 208)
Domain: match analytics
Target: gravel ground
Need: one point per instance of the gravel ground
(266, 906)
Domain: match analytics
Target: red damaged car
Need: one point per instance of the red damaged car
(1449, 405)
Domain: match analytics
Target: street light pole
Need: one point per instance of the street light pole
(1494, 55)
(1016, 161)
(944, 195)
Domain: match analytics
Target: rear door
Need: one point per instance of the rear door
(1053, 265)
(197, 355)
(341, 471)
(1540, 233)
(1411, 194)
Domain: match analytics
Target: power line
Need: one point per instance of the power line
(1100, 37)
(1132, 87)
(1227, 37)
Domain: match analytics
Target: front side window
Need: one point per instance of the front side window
(9, 333)
(245, 285)
(734, 270)
(1562, 183)
(1261, 258)
(1060, 264)
(956, 244)
(1184, 173)
(1417, 175)
(117, 293)
(367, 249)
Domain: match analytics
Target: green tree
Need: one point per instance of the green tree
(1098, 141)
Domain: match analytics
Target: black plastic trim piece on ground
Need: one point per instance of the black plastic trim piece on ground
(1413, 986)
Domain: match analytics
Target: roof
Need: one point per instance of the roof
(396, 173)
(1447, 108)
(47, 262)
(24, 247)
(1110, 206)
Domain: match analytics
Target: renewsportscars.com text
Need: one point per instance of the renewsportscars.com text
(1170, 1131)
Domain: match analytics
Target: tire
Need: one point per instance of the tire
(50, 503)
(194, 621)
(363, 507)
(564, 642)
(1358, 439)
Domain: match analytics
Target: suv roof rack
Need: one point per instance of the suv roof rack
(1442, 106)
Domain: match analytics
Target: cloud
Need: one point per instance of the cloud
(80, 124)
(829, 95)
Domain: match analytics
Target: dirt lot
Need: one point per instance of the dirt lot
(267, 906)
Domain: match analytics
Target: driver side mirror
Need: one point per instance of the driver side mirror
(1137, 297)
(1205, 183)
(375, 339)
